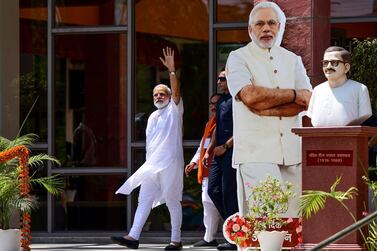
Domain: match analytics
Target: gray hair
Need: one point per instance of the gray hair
(279, 13)
(165, 87)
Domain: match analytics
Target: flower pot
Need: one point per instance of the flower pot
(239, 248)
(10, 239)
(70, 195)
(271, 240)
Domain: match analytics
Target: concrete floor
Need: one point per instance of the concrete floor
(104, 247)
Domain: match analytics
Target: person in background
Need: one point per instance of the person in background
(222, 177)
(211, 216)
(161, 176)
(339, 101)
(270, 88)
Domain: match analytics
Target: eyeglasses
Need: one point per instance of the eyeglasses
(155, 95)
(333, 63)
(271, 23)
(221, 79)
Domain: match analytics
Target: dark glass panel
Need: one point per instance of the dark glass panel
(90, 203)
(159, 25)
(33, 67)
(227, 41)
(233, 10)
(352, 8)
(342, 34)
(97, 12)
(90, 100)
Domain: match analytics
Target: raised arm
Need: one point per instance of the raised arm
(168, 62)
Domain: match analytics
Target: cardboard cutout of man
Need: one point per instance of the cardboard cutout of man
(270, 88)
(339, 101)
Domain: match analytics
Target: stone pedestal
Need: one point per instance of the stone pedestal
(328, 153)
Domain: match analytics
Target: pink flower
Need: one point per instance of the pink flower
(275, 197)
(236, 227)
(245, 229)
(364, 213)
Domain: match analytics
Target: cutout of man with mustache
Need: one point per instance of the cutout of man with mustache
(339, 101)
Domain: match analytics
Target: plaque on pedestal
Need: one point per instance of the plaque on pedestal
(328, 153)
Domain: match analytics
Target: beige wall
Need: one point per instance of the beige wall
(9, 68)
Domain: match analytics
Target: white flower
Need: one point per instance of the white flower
(236, 228)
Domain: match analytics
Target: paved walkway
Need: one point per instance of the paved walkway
(104, 247)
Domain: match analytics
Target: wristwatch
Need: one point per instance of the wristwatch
(225, 146)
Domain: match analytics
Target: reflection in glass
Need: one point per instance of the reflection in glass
(33, 67)
(233, 10)
(168, 26)
(90, 100)
(351, 8)
(343, 34)
(227, 41)
(105, 12)
(83, 208)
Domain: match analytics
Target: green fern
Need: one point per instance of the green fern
(38, 160)
(312, 200)
(372, 238)
(53, 184)
(10, 199)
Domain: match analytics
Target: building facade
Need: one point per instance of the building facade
(88, 67)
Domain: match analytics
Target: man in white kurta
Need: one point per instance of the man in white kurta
(338, 101)
(161, 176)
(269, 87)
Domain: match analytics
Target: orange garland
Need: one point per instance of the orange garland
(23, 154)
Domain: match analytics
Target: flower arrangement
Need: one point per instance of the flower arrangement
(238, 230)
(267, 201)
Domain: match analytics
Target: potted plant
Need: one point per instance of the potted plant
(12, 176)
(267, 202)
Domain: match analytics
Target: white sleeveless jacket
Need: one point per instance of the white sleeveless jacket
(264, 139)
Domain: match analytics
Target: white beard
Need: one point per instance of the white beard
(260, 43)
(160, 105)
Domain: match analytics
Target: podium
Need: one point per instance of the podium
(328, 153)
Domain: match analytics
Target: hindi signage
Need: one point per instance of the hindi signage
(329, 157)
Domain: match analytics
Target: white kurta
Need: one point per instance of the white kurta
(211, 215)
(164, 155)
(348, 104)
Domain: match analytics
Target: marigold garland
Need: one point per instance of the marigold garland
(23, 175)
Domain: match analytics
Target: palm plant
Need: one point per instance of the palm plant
(312, 201)
(10, 198)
